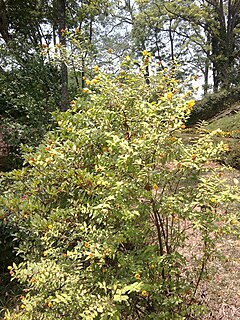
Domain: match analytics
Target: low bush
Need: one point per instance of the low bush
(105, 208)
(213, 104)
(232, 158)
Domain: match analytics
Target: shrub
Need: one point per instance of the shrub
(213, 104)
(105, 206)
(232, 158)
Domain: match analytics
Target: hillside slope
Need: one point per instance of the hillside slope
(212, 105)
(227, 120)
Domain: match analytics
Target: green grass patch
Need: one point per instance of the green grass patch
(230, 126)
(229, 123)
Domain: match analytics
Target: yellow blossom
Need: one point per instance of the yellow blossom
(145, 53)
(50, 226)
(96, 68)
(88, 82)
(190, 104)
(22, 306)
(155, 187)
(169, 95)
(94, 81)
(225, 147)
(144, 293)
(137, 276)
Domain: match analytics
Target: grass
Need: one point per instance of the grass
(227, 121)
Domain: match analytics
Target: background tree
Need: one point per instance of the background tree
(35, 67)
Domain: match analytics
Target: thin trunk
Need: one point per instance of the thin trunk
(63, 42)
(83, 73)
(207, 63)
(215, 53)
(171, 40)
(206, 75)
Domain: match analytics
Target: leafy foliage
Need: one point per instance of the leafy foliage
(29, 95)
(213, 104)
(104, 206)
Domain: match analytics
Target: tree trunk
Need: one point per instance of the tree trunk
(206, 74)
(4, 24)
(171, 40)
(63, 42)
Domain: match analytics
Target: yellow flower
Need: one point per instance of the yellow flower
(137, 276)
(169, 95)
(49, 304)
(22, 306)
(144, 293)
(190, 104)
(96, 68)
(50, 226)
(88, 82)
(94, 81)
(225, 147)
(145, 53)
(155, 187)
(87, 244)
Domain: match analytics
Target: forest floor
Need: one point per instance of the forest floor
(221, 294)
